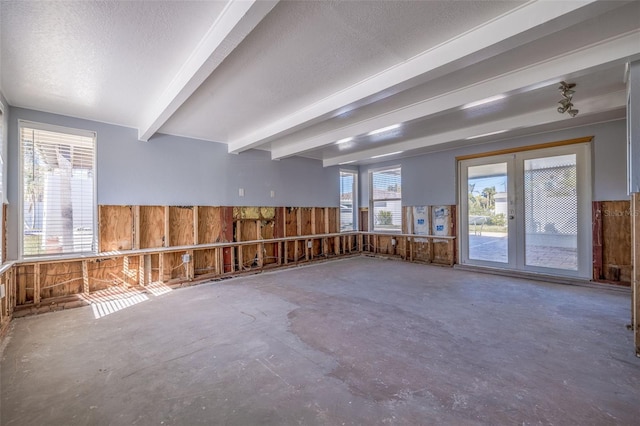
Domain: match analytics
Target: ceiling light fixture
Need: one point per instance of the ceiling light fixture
(386, 155)
(383, 129)
(567, 94)
(346, 162)
(483, 101)
(497, 132)
(344, 140)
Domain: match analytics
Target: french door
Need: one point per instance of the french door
(528, 211)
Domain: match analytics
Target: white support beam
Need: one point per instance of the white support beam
(499, 35)
(549, 115)
(235, 22)
(609, 52)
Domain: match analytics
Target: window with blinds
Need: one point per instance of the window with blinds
(58, 189)
(385, 189)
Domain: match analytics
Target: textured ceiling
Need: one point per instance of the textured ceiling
(100, 60)
(303, 50)
(293, 77)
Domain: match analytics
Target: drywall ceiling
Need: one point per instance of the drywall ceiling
(294, 77)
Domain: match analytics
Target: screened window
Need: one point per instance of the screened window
(58, 189)
(348, 209)
(386, 199)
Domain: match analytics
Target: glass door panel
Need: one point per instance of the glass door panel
(551, 212)
(529, 210)
(487, 213)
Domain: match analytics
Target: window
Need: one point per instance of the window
(58, 189)
(2, 174)
(348, 197)
(385, 189)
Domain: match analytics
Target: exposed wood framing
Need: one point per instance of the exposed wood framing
(116, 228)
(220, 241)
(36, 283)
(596, 238)
(166, 240)
(612, 242)
(136, 228)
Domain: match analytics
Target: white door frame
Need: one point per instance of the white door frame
(515, 189)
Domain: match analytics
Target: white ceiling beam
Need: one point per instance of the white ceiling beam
(549, 115)
(617, 49)
(499, 30)
(235, 22)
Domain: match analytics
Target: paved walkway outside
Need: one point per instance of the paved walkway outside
(493, 248)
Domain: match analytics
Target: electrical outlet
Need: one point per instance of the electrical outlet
(2, 291)
(393, 241)
(273, 194)
(186, 258)
(309, 244)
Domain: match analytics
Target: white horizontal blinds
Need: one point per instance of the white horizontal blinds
(386, 199)
(58, 190)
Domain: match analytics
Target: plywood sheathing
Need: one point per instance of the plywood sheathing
(116, 228)
(597, 239)
(25, 284)
(317, 227)
(616, 241)
(248, 256)
(152, 226)
(305, 221)
(333, 213)
(61, 279)
(279, 222)
(106, 273)
(267, 232)
(226, 235)
(174, 268)
(206, 262)
(209, 225)
(291, 216)
(612, 260)
(181, 226)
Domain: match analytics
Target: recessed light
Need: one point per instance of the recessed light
(383, 129)
(486, 134)
(484, 101)
(386, 155)
(344, 140)
(346, 162)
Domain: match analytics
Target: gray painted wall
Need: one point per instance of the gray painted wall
(170, 170)
(430, 179)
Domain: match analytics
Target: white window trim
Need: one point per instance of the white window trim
(356, 216)
(20, 230)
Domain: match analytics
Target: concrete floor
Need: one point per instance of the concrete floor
(357, 341)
